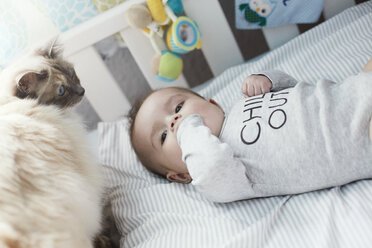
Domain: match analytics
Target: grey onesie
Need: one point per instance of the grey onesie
(300, 139)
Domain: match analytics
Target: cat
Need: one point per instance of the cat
(43, 74)
(50, 184)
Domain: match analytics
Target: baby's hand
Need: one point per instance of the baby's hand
(255, 85)
(191, 121)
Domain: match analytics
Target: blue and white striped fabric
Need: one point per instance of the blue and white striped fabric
(151, 212)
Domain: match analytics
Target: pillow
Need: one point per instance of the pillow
(66, 14)
(25, 23)
(22, 24)
(152, 212)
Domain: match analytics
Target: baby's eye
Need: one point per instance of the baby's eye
(61, 90)
(178, 108)
(163, 136)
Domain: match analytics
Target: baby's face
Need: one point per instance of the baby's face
(157, 122)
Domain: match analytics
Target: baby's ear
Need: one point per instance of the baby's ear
(28, 81)
(213, 102)
(179, 177)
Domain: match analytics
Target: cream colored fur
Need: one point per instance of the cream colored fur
(27, 63)
(50, 186)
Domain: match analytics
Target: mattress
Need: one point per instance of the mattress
(151, 212)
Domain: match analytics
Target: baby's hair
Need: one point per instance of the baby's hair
(132, 114)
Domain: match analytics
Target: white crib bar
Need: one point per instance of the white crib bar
(97, 28)
(102, 90)
(218, 44)
(333, 7)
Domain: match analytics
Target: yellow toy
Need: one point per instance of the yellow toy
(182, 34)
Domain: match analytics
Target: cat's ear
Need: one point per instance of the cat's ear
(29, 81)
(51, 49)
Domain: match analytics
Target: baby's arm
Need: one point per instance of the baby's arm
(216, 173)
(265, 82)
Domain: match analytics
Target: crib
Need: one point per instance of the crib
(102, 90)
(148, 211)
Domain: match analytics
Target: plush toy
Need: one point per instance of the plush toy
(138, 16)
(181, 34)
(167, 66)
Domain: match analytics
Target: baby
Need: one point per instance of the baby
(277, 141)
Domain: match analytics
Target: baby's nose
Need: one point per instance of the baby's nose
(174, 120)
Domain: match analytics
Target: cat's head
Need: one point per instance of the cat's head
(54, 82)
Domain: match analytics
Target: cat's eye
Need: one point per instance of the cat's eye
(178, 107)
(163, 136)
(61, 90)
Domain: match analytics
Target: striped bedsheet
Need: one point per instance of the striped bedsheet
(151, 212)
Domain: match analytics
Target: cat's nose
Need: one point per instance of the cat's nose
(81, 91)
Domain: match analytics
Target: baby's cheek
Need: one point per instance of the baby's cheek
(175, 153)
(173, 144)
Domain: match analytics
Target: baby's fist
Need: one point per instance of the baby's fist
(255, 85)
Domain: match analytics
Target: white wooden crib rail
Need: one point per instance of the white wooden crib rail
(219, 48)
